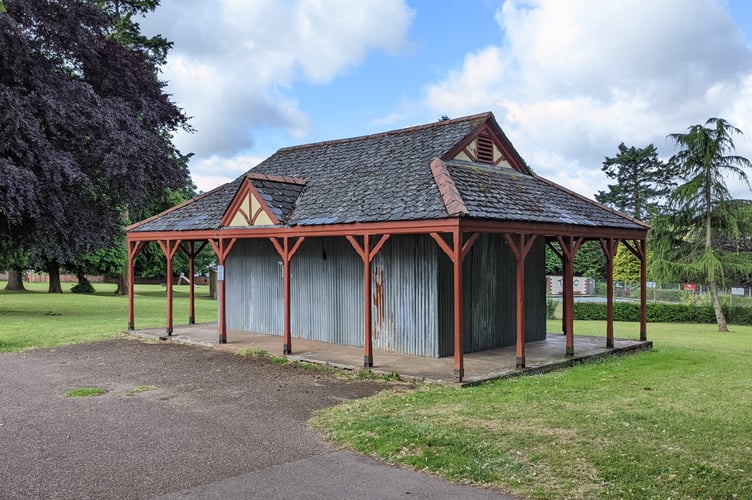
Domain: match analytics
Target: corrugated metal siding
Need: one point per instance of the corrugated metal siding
(254, 286)
(327, 292)
(535, 292)
(405, 297)
(412, 293)
(489, 296)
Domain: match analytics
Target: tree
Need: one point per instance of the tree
(703, 161)
(626, 265)
(643, 181)
(84, 133)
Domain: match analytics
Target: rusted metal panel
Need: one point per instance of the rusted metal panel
(411, 293)
(405, 297)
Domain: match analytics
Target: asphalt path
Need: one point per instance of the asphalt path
(183, 422)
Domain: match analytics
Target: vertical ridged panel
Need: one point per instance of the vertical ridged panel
(404, 296)
(327, 292)
(254, 285)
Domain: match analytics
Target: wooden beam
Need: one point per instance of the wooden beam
(169, 248)
(643, 290)
(569, 246)
(609, 245)
(520, 248)
(286, 253)
(134, 248)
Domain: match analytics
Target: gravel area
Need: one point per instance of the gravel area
(206, 415)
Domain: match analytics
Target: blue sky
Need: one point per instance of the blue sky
(567, 81)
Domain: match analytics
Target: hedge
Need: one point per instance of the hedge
(662, 313)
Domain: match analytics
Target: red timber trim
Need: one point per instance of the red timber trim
(639, 250)
(396, 227)
(367, 254)
(134, 248)
(569, 246)
(450, 195)
(190, 251)
(169, 247)
(520, 245)
(457, 253)
(287, 253)
(222, 247)
(609, 245)
(560, 255)
(247, 187)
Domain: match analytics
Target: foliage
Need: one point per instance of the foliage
(686, 236)
(85, 129)
(658, 312)
(642, 181)
(675, 417)
(589, 261)
(551, 306)
(626, 265)
(85, 287)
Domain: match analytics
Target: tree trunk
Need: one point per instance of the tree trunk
(719, 316)
(122, 284)
(15, 280)
(53, 270)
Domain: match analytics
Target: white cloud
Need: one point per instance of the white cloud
(234, 61)
(208, 173)
(570, 80)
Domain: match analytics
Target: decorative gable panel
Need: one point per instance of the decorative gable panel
(248, 209)
(483, 149)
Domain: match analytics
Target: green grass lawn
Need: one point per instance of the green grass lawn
(36, 318)
(671, 423)
(675, 422)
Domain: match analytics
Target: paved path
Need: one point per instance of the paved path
(212, 424)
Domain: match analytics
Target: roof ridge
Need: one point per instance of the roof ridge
(275, 178)
(389, 132)
(450, 195)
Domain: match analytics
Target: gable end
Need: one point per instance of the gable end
(248, 208)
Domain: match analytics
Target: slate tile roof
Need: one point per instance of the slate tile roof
(495, 193)
(279, 193)
(383, 177)
(390, 177)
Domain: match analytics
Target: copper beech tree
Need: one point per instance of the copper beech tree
(85, 127)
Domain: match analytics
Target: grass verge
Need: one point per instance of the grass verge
(36, 318)
(670, 423)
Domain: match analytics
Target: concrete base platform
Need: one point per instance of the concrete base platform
(542, 356)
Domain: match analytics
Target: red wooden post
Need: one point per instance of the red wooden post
(367, 254)
(639, 250)
(456, 254)
(191, 292)
(222, 248)
(286, 253)
(459, 361)
(133, 249)
(609, 249)
(520, 249)
(368, 341)
(569, 246)
(168, 248)
(643, 291)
